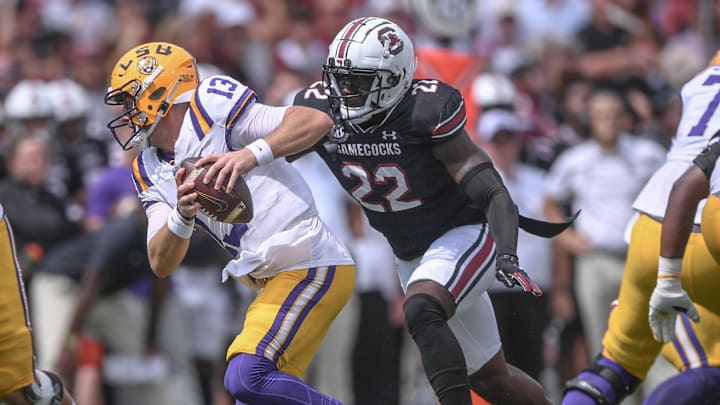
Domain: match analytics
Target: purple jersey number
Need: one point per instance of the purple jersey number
(222, 87)
(700, 128)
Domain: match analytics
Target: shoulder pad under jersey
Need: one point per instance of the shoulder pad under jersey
(438, 108)
(313, 96)
(219, 100)
(707, 159)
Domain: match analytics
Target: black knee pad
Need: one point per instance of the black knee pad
(620, 385)
(441, 354)
(422, 309)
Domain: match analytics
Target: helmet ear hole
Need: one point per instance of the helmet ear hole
(394, 79)
(157, 94)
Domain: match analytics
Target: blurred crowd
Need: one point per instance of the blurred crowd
(576, 101)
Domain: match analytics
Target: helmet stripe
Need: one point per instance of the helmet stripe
(342, 49)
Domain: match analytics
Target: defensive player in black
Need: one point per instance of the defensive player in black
(399, 148)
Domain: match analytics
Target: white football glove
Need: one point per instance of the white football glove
(667, 300)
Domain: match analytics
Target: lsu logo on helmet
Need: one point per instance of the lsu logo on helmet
(147, 65)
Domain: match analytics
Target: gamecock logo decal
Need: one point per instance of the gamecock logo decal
(390, 39)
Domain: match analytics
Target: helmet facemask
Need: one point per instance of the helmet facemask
(369, 68)
(132, 117)
(356, 94)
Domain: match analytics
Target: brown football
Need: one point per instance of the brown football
(235, 207)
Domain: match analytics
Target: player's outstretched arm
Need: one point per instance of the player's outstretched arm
(473, 170)
(668, 298)
(300, 129)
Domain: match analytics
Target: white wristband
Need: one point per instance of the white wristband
(670, 268)
(181, 227)
(262, 151)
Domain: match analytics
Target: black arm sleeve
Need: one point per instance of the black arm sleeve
(485, 187)
(708, 158)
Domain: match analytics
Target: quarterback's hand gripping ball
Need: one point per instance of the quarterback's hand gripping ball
(235, 207)
(509, 272)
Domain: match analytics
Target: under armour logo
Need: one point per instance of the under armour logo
(389, 135)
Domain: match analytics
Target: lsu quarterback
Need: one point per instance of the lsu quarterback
(304, 273)
(657, 285)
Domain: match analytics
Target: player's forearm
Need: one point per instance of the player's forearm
(687, 192)
(502, 218)
(166, 251)
(300, 129)
(486, 189)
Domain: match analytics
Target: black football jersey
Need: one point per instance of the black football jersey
(406, 193)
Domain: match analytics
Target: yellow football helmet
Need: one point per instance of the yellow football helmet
(147, 81)
(715, 59)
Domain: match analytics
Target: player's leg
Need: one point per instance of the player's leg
(696, 386)
(711, 226)
(629, 348)
(283, 329)
(490, 375)
(433, 284)
(455, 272)
(427, 308)
(502, 383)
(16, 367)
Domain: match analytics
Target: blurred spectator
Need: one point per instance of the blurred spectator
(111, 190)
(586, 177)
(572, 112)
(39, 218)
(500, 41)
(206, 308)
(113, 337)
(551, 18)
(78, 158)
(28, 109)
(443, 49)
(300, 50)
(536, 109)
(380, 329)
(521, 317)
(615, 52)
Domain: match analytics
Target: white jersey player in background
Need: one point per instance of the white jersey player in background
(304, 272)
(629, 348)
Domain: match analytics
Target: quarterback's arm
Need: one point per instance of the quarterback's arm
(268, 133)
(170, 229)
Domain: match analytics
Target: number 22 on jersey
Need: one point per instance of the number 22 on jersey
(384, 174)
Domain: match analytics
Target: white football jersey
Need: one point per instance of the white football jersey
(699, 122)
(285, 232)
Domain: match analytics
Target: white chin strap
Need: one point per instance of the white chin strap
(141, 140)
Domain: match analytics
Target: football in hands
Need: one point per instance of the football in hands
(234, 207)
